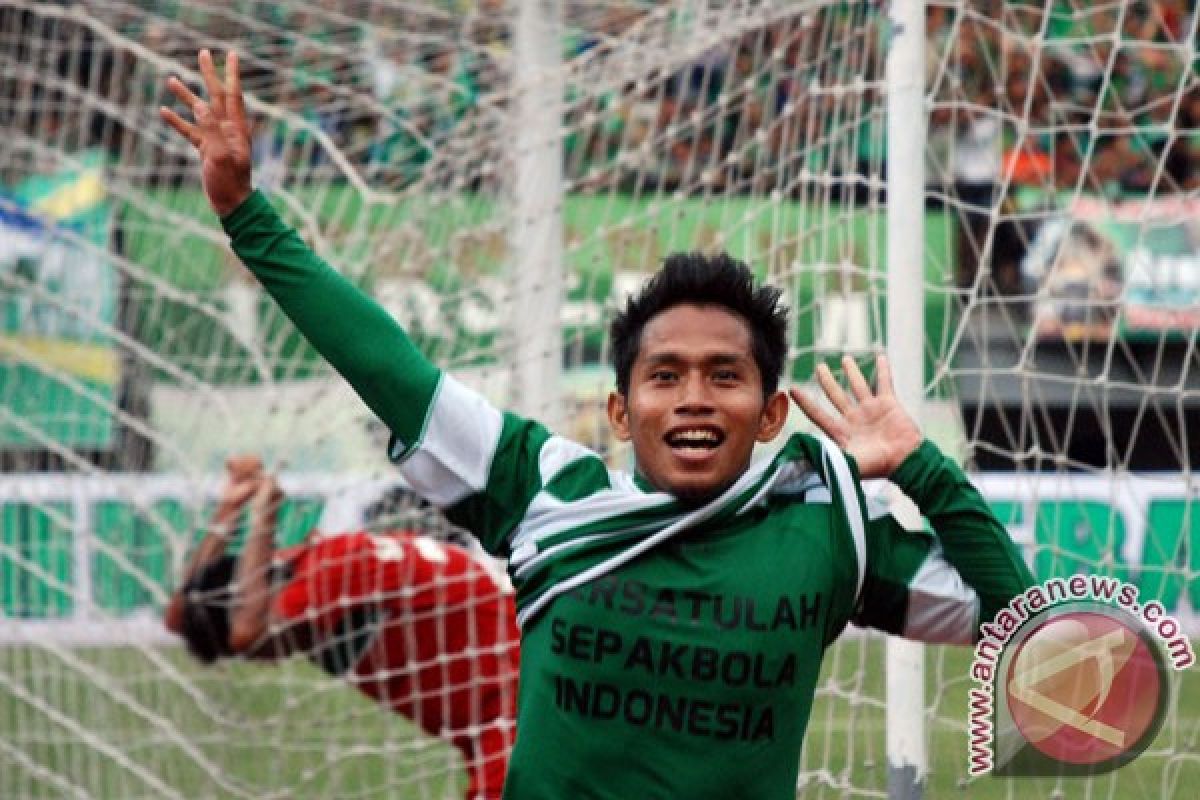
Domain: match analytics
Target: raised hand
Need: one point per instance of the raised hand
(872, 426)
(243, 474)
(246, 466)
(219, 132)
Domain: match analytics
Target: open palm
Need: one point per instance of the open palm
(871, 426)
(219, 132)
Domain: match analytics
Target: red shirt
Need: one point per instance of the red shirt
(421, 627)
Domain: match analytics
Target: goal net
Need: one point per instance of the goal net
(446, 155)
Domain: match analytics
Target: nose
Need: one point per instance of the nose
(695, 396)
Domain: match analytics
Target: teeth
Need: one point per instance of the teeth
(695, 436)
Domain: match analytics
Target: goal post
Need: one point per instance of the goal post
(908, 761)
(536, 223)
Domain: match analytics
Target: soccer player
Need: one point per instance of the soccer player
(418, 625)
(673, 621)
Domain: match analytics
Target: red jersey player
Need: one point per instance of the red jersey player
(420, 626)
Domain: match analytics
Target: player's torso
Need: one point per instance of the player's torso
(447, 666)
(437, 641)
(689, 672)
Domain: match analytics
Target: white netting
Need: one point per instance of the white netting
(1061, 294)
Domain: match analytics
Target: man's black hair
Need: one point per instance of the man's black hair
(395, 505)
(206, 600)
(699, 279)
(400, 507)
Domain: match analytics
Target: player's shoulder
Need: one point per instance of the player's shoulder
(339, 541)
(433, 551)
(798, 481)
(422, 546)
(888, 508)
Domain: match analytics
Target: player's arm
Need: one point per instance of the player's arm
(454, 448)
(253, 631)
(937, 582)
(966, 568)
(967, 551)
(242, 473)
(357, 337)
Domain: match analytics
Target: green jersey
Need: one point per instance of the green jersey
(667, 650)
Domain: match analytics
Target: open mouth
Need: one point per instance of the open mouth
(698, 439)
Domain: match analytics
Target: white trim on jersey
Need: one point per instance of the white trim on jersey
(454, 457)
(941, 608)
(557, 454)
(836, 460)
(748, 478)
(547, 515)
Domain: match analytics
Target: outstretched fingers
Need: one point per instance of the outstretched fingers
(216, 92)
(883, 376)
(833, 426)
(854, 376)
(181, 91)
(185, 128)
(235, 103)
(201, 113)
(833, 390)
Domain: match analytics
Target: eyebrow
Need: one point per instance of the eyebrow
(716, 359)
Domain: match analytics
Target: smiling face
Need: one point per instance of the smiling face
(695, 405)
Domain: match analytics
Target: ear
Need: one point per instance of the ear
(774, 414)
(618, 416)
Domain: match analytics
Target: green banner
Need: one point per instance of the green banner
(58, 299)
(440, 265)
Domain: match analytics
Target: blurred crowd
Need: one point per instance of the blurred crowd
(1050, 96)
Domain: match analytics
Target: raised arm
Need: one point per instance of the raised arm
(933, 585)
(357, 337)
(242, 475)
(249, 619)
(970, 538)
(479, 464)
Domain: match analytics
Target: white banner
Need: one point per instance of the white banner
(1141, 528)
